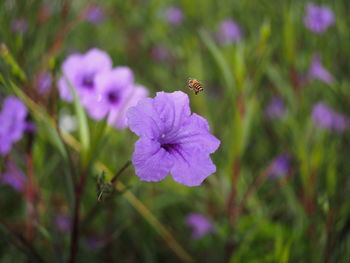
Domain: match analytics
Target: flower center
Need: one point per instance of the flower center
(113, 97)
(170, 147)
(88, 82)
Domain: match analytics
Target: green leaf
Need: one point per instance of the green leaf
(83, 126)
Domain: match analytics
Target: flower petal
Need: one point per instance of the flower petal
(118, 119)
(144, 120)
(96, 60)
(191, 166)
(152, 163)
(173, 109)
(195, 134)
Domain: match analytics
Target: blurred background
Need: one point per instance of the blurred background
(276, 94)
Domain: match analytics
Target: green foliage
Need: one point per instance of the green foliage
(301, 217)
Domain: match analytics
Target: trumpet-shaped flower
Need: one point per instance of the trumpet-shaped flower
(229, 32)
(13, 177)
(172, 140)
(326, 118)
(200, 225)
(80, 71)
(116, 92)
(318, 18)
(317, 71)
(12, 123)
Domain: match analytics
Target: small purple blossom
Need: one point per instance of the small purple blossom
(172, 140)
(44, 82)
(160, 53)
(115, 93)
(80, 72)
(317, 71)
(95, 15)
(13, 123)
(326, 118)
(63, 223)
(174, 15)
(19, 25)
(95, 242)
(280, 166)
(13, 177)
(318, 18)
(229, 32)
(200, 225)
(275, 109)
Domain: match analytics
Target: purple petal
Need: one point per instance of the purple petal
(191, 166)
(317, 71)
(174, 15)
(195, 134)
(80, 71)
(173, 109)
(118, 118)
(13, 177)
(13, 123)
(144, 120)
(152, 163)
(229, 32)
(318, 18)
(200, 225)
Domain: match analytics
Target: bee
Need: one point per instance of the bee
(195, 85)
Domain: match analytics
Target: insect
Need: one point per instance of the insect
(195, 85)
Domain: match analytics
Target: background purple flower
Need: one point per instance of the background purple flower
(174, 15)
(326, 118)
(172, 140)
(200, 225)
(95, 15)
(63, 222)
(115, 93)
(44, 82)
(280, 166)
(80, 71)
(318, 18)
(19, 25)
(317, 71)
(13, 123)
(275, 109)
(13, 177)
(160, 53)
(229, 32)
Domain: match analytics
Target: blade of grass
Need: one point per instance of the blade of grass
(83, 126)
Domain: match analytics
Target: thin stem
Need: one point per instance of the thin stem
(78, 193)
(98, 206)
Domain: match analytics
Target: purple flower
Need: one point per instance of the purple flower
(44, 82)
(326, 118)
(12, 123)
(13, 177)
(160, 53)
(174, 15)
(95, 15)
(200, 225)
(229, 32)
(172, 140)
(318, 18)
(19, 25)
(275, 109)
(116, 92)
(63, 223)
(95, 242)
(280, 166)
(80, 71)
(317, 71)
